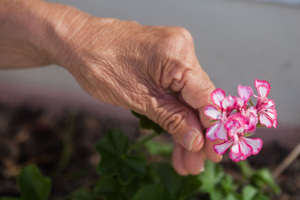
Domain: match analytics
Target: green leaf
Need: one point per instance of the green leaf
(227, 184)
(217, 194)
(158, 148)
(232, 196)
(82, 194)
(249, 192)
(265, 176)
(213, 120)
(261, 196)
(9, 198)
(115, 160)
(146, 123)
(246, 169)
(210, 177)
(152, 192)
(32, 184)
(177, 186)
(107, 186)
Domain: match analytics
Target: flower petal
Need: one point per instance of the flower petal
(275, 123)
(251, 122)
(262, 87)
(228, 103)
(212, 112)
(210, 132)
(235, 148)
(255, 143)
(239, 103)
(245, 149)
(250, 111)
(265, 120)
(222, 148)
(237, 158)
(245, 92)
(217, 96)
(270, 104)
(263, 91)
(261, 82)
(235, 124)
(221, 133)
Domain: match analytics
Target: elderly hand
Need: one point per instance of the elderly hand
(152, 70)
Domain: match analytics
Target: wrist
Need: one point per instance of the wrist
(77, 35)
(37, 31)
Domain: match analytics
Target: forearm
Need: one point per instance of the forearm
(35, 33)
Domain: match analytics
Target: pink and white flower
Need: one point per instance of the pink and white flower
(241, 147)
(236, 120)
(224, 107)
(265, 107)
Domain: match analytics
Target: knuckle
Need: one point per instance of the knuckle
(174, 44)
(184, 32)
(176, 41)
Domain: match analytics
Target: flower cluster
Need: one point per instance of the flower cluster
(236, 120)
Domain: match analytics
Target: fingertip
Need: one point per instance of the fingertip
(181, 171)
(194, 161)
(177, 160)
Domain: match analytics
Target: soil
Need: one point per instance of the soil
(34, 136)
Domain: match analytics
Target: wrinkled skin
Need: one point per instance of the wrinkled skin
(152, 70)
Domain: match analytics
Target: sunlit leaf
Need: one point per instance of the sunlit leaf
(265, 176)
(246, 169)
(232, 196)
(210, 177)
(249, 192)
(158, 148)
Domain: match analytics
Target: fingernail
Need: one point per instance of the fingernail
(188, 139)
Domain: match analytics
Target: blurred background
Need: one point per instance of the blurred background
(236, 41)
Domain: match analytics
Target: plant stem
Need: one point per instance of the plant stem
(143, 141)
(67, 144)
(287, 161)
(251, 103)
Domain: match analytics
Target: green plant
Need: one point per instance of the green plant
(126, 174)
